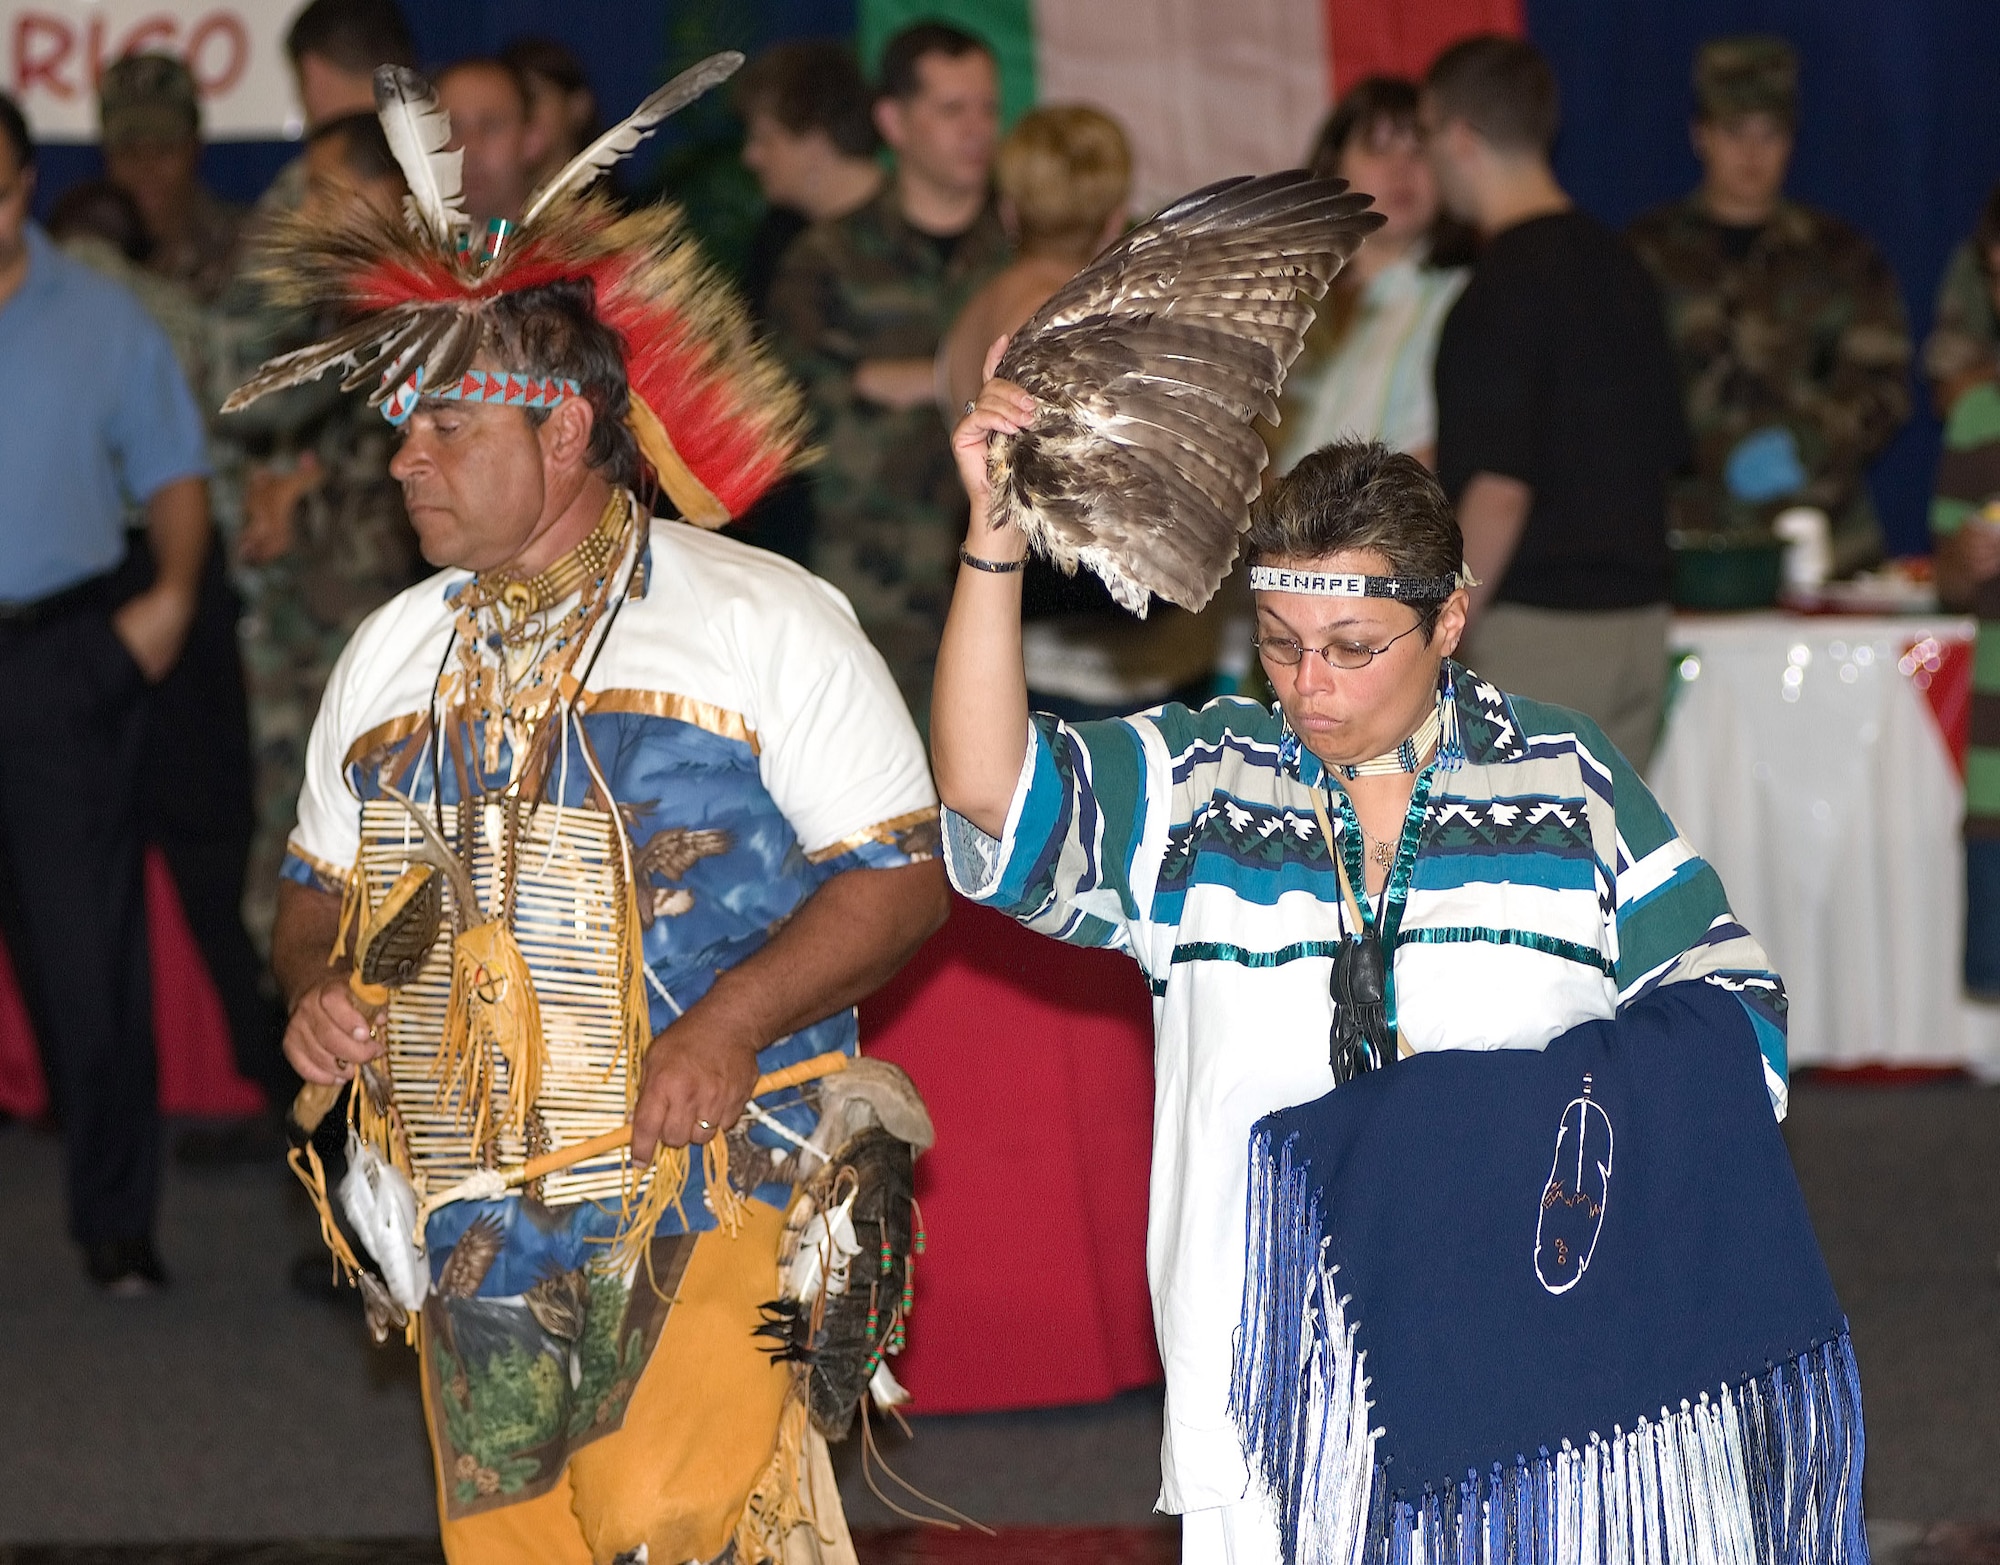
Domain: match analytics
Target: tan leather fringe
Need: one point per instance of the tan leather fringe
(353, 913)
(312, 1174)
(492, 1009)
(777, 1502)
(719, 1195)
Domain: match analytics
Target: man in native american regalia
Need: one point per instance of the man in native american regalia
(607, 826)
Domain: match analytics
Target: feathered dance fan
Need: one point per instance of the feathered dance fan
(845, 1268)
(1150, 366)
(714, 416)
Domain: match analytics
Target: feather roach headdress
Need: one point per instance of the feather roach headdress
(713, 415)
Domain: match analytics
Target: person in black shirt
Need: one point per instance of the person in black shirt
(1559, 409)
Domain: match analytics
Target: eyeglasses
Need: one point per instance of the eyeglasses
(1287, 653)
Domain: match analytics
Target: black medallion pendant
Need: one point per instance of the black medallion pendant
(1360, 1038)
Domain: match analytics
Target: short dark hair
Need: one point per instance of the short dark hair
(812, 84)
(902, 53)
(553, 329)
(356, 35)
(548, 58)
(98, 209)
(364, 146)
(1358, 494)
(14, 126)
(1501, 87)
(1370, 102)
(489, 62)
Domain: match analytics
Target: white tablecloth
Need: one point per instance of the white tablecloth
(1801, 760)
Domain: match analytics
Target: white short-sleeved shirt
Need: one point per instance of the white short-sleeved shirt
(734, 694)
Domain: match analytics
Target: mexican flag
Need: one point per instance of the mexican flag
(1204, 88)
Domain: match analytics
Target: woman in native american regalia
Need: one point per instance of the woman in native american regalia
(1423, 953)
(606, 827)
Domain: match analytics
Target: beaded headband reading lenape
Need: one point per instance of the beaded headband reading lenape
(1341, 584)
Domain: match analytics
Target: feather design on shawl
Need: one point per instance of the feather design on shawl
(1150, 366)
(708, 398)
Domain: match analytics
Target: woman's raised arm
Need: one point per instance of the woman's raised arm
(979, 703)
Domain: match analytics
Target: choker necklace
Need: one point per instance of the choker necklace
(1437, 734)
(524, 596)
(1407, 756)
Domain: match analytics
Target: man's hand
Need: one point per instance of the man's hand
(698, 1076)
(329, 1033)
(154, 627)
(1492, 515)
(269, 498)
(896, 383)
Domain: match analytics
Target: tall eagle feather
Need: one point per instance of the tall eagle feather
(418, 129)
(583, 169)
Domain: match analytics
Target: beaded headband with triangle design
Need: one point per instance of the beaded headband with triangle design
(714, 416)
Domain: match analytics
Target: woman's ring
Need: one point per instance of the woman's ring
(969, 404)
(702, 1124)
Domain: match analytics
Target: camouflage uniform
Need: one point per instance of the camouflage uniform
(889, 511)
(153, 97)
(352, 550)
(1803, 333)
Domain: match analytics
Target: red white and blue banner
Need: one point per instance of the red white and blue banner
(53, 52)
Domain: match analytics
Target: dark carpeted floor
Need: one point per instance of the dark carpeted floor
(230, 1411)
(1902, 1184)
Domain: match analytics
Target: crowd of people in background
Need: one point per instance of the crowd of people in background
(1581, 394)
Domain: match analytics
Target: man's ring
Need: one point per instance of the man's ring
(702, 1124)
(969, 404)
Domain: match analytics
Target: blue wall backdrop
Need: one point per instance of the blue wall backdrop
(1900, 131)
(1899, 134)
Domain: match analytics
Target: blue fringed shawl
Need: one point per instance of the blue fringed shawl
(1558, 1307)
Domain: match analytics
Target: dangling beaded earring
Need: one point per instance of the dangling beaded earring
(1451, 747)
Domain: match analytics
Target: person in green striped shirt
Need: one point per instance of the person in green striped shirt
(1965, 521)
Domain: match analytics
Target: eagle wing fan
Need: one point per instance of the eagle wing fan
(1149, 367)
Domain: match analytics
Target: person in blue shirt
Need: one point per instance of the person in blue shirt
(99, 419)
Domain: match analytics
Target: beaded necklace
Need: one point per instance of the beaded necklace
(511, 656)
(1436, 734)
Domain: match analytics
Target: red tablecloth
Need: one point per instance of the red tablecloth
(1037, 1063)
